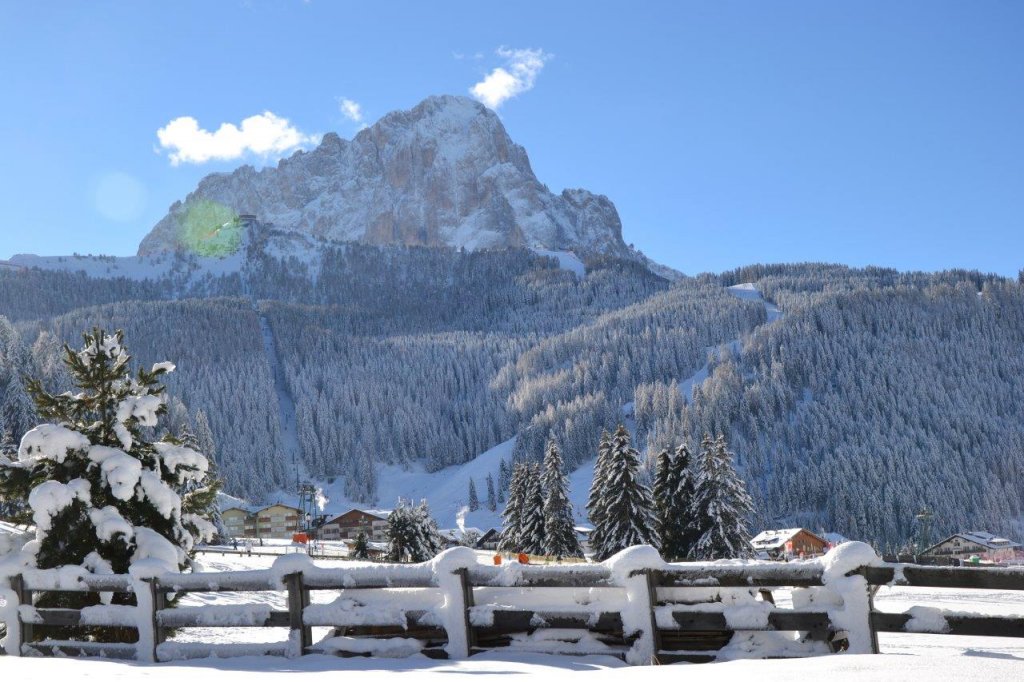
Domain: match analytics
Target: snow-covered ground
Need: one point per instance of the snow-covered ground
(496, 666)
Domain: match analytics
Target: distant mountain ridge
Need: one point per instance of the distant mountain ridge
(444, 173)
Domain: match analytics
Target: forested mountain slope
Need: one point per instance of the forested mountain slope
(876, 394)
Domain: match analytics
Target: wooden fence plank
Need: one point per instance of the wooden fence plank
(969, 625)
(945, 576)
(777, 620)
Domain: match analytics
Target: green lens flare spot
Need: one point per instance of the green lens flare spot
(211, 229)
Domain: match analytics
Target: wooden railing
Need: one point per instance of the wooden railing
(680, 612)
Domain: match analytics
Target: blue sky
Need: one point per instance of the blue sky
(726, 133)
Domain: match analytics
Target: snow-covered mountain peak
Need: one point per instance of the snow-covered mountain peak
(444, 173)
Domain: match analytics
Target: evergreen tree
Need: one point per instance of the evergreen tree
(361, 548)
(492, 500)
(663, 491)
(627, 517)
(722, 505)
(199, 497)
(12, 509)
(598, 495)
(512, 518)
(412, 534)
(102, 496)
(504, 480)
(532, 538)
(204, 436)
(474, 501)
(559, 533)
(682, 530)
(430, 535)
(673, 501)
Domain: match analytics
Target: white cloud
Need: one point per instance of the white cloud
(265, 134)
(351, 110)
(516, 77)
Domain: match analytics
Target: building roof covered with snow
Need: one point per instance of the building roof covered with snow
(835, 538)
(773, 539)
(975, 537)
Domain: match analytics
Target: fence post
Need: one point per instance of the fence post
(23, 596)
(652, 600)
(467, 604)
(157, 601)
(298, 600)
(872, 590)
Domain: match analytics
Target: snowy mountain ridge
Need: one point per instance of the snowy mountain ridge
(445, 173)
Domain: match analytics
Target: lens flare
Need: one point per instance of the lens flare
(211, 229)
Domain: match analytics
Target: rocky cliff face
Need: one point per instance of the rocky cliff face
(444, 173)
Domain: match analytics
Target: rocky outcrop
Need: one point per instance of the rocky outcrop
(444, 173)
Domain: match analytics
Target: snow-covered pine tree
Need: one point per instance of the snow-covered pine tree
(12, 509)
(504, 480)
(627, 518)
(663, 490)
(474, 500)
(598, 495)
(199, 497)
(430, 536)
(683, 530)
(204, 436)
(532, 539)
(559, 533)
(492, 500)
(412, 533)
(722, 505)
(102, 496)
(361, 548)
(511, 519)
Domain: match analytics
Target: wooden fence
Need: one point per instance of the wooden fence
(681, 612)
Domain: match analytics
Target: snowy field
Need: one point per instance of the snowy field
(493, 666)
(905, 656)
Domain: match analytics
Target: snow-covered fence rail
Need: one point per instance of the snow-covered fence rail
(920, 619)
(633, 606)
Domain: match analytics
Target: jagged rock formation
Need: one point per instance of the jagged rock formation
(444, 173)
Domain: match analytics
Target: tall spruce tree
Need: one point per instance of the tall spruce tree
(474, 500)
(532, 538)
(683, 531)
(598, 497)
(492, 500)
(628, 517)
(504, 480)
(512, 518)
(560, 539)
(663, 491)
(722, 505)
(673, 501)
